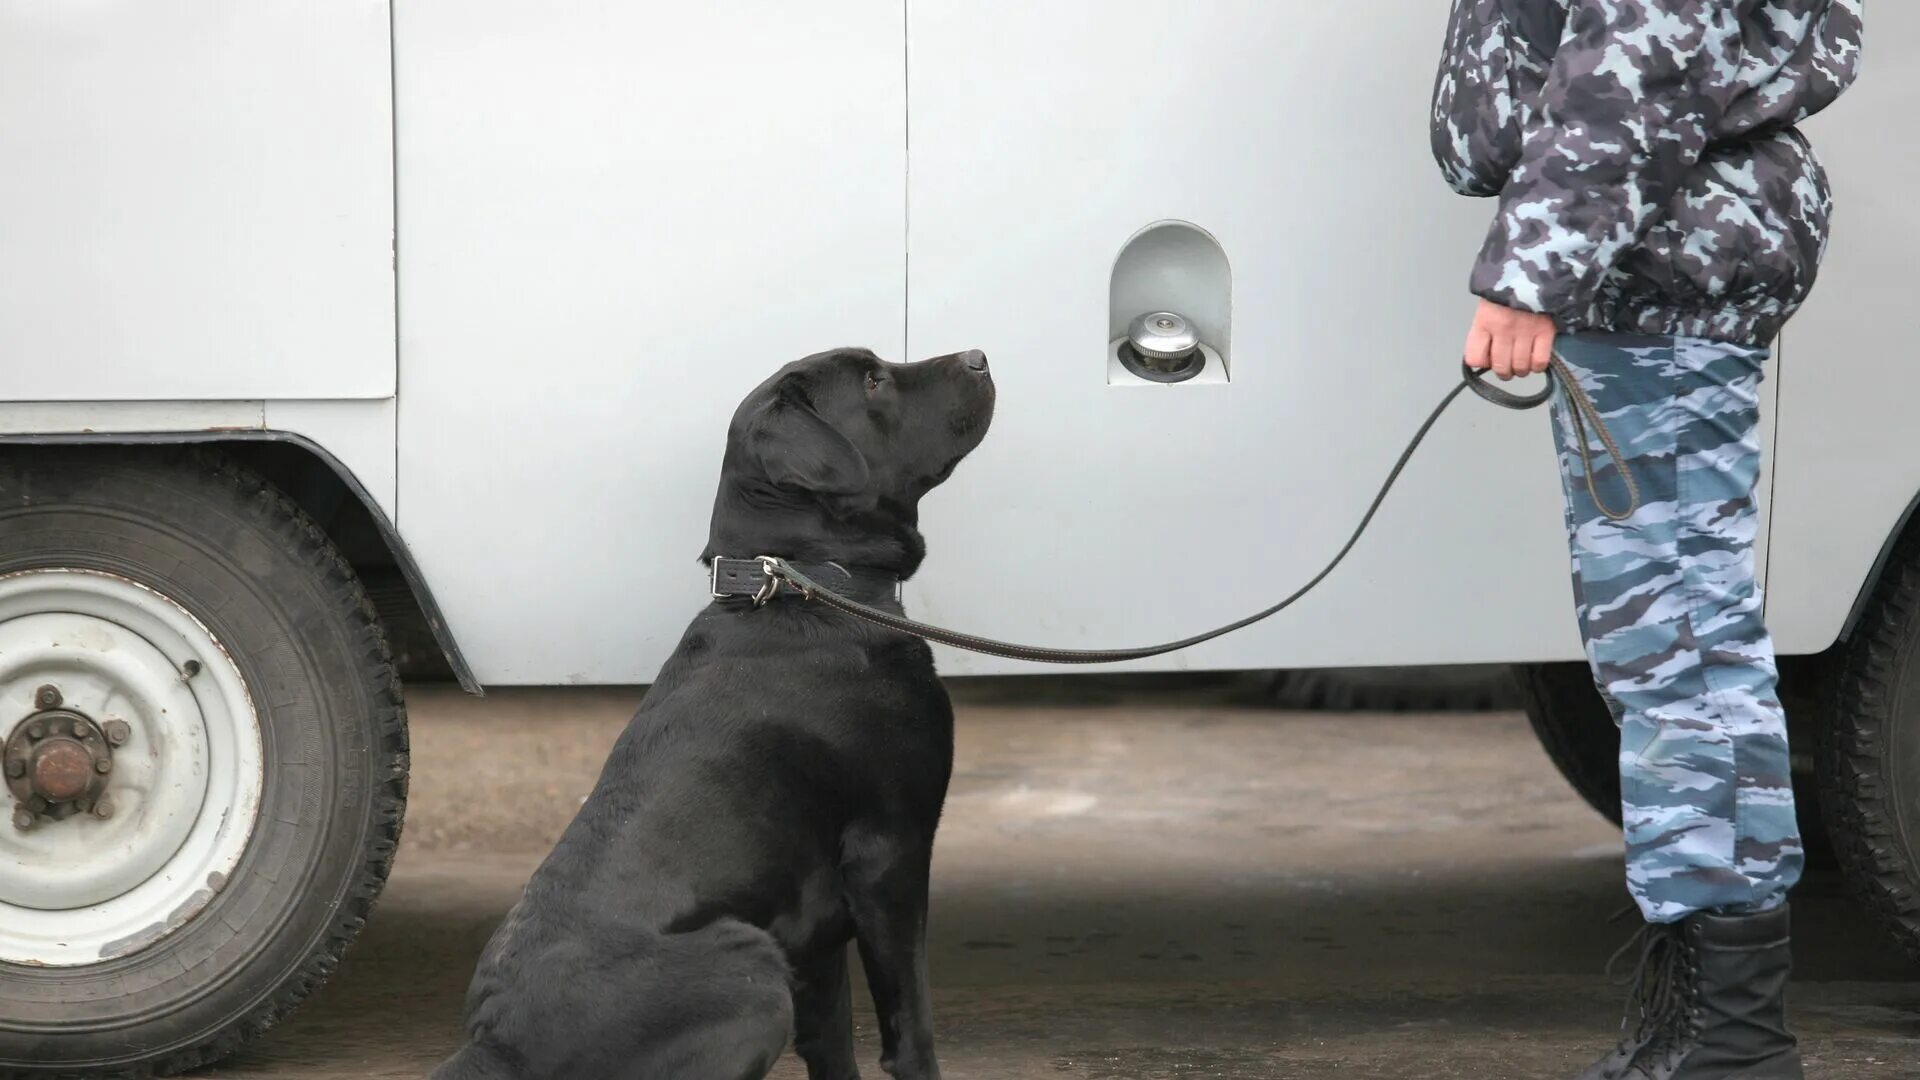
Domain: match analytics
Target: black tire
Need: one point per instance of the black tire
(1571, 720)
(1449, 688)
(1868, 754)
(249, 564)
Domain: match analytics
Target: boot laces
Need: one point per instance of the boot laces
(1659, 1005)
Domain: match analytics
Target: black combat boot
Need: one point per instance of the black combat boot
(1708, 1003)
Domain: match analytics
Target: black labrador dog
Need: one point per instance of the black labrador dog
(776, 795)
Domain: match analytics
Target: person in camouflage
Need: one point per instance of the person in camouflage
(1660, 218)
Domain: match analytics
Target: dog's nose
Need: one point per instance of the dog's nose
(974, 359)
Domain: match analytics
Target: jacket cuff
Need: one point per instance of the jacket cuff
(1508, 285)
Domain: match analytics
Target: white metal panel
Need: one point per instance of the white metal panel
(599, 256)
(1763, 491)
(1043, 137)
(1850, 376)
(616, 219)
(196, 200)
(95, 417)
(358, 434)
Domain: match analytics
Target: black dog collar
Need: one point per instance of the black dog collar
(748, 579)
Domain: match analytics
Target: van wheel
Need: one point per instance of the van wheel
(1571, 720)
(1440, 688)
(1868, 764)
(1575, 729)
(205, 759)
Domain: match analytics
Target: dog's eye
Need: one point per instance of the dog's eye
(873, 382)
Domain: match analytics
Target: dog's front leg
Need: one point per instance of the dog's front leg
(887, 894)
(823, 1016)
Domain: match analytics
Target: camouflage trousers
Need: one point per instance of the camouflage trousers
(1671, 615)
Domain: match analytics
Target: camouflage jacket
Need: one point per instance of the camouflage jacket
(1644, 153)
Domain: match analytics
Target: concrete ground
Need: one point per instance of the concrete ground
(1138, 886)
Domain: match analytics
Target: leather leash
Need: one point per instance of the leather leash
(780, 572)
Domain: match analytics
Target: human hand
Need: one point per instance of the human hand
(1513, 343)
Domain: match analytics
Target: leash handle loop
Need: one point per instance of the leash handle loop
(1477, 382)
(1584, 413)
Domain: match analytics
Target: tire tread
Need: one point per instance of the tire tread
(1850, 752)
(1571, 720)
(281, 520)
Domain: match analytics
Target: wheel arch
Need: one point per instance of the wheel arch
(328, 491)
(1878, 569)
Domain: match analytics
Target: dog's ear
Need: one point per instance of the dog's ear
(796, 448)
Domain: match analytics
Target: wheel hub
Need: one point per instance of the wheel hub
(133, 764)
(59, 762)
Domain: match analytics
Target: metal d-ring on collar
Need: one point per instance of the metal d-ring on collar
(759, 580)
(774, 581)
(1559, 377)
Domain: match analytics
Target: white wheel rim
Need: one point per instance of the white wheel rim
(185, 786)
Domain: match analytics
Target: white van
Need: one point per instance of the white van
(332, 325)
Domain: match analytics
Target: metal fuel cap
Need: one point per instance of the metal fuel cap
(1163, 335)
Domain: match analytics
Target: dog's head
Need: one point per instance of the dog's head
(827, 460)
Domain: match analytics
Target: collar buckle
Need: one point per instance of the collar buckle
(757, 579)
(735, 579)
(764, 577)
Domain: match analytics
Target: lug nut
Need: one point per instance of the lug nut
(47, 697)
(36, 804)
(16, 768)
(22, 818)
(118, 731)
(37, 729)
(104, 807)
(103, 765)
